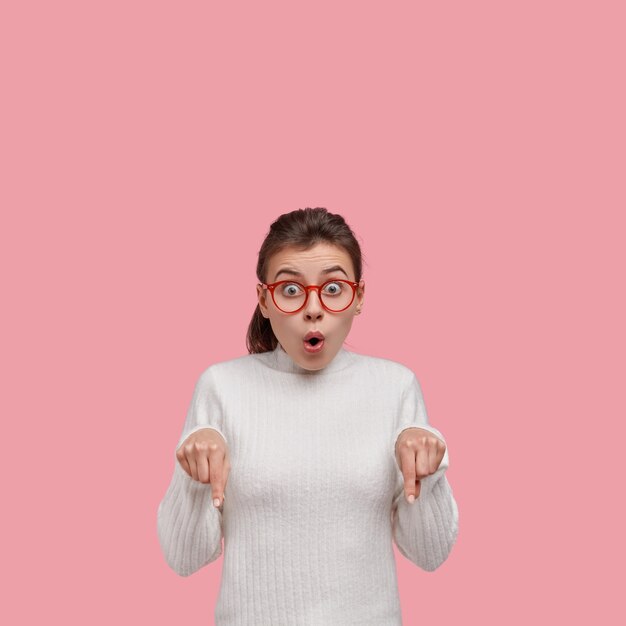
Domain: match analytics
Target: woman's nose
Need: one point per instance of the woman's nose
(313, 304)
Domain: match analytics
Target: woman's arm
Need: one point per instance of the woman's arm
(189, 526)
(425, 530)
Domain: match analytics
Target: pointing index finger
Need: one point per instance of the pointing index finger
(407, 464)
(216, 469)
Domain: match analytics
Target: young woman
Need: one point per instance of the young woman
(299, 454)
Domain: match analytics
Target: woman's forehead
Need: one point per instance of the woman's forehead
(312, 261)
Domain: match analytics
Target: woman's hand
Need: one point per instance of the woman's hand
(418, 454)
(204, 456)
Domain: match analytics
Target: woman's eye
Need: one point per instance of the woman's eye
(291, 289)
(333, 288)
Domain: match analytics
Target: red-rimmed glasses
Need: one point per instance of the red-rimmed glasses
(289, 296)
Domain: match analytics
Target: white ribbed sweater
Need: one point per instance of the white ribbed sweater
(314, 495)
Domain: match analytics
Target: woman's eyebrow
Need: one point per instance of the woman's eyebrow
(328, 270)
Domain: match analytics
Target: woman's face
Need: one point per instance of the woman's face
(290, 328)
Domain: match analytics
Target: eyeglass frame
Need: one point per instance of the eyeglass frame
(307, 290)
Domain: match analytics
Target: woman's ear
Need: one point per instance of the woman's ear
(360, 295)
(261, 296)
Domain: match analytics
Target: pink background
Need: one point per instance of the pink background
(476, 148)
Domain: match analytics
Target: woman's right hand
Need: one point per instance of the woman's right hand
(204, 456)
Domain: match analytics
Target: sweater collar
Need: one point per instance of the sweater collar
(280, 360)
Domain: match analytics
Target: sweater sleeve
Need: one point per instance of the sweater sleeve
(189, 526)
(426, 530)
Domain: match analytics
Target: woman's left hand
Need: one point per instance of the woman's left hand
(418, 454)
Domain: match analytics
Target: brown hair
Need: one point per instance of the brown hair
(302, 228)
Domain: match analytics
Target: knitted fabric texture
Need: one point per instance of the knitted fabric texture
(315, 497)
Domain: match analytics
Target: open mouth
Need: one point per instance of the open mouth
(314, 343)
